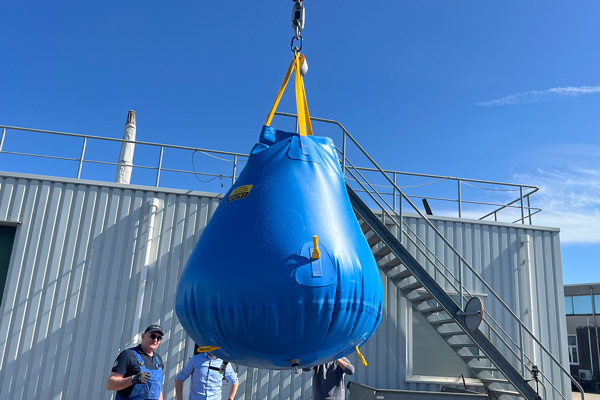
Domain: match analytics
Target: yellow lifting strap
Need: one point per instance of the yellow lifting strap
(362, 358)
(204, 349)
(304, 124)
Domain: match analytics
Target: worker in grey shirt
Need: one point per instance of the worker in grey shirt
(328, 380)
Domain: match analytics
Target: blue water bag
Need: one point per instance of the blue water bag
(282, 275)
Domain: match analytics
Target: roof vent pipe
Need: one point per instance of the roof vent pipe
(126, 157)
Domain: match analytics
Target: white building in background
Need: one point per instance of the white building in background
(73, 251)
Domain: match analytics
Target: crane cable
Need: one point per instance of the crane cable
(300, 67)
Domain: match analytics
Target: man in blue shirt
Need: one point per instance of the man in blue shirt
(137, 373)
(207, 373)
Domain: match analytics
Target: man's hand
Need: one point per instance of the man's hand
(345, 365)
(142, 378)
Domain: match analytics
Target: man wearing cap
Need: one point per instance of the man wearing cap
(207, 373)
(137, 373)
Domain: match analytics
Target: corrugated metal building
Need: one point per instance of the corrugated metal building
(76, 277)
(582, 304)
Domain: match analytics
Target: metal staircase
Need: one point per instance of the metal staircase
(429, 298)
(502, 361)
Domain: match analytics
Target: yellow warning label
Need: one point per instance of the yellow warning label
(239, 193)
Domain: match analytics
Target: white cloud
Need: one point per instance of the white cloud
(570, 200)
(537, 95)
(568, 178)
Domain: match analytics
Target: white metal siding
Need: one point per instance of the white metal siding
(533, 290)
(69, 301)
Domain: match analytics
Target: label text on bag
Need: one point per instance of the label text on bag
(239, 193)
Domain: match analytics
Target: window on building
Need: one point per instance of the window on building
(573, 354)
(582, 304)
(569, 305)
(7, 238)
(597, 302)
(432, 356)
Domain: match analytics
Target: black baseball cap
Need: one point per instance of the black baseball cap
(154, 328)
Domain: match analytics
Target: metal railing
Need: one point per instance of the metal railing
(512, 345)
(81, 159)
(390, 187)
(150, 172)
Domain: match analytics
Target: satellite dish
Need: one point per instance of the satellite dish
(473, 314)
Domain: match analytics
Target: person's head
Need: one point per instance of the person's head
(151, 338)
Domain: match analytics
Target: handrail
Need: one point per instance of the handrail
(441, 177)
(462, 261)
(517, 187)
(121, 140)
(159, 167)
(532, 210)
(81, 159)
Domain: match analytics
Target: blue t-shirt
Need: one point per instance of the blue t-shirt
(206, 378)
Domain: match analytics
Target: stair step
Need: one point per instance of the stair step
(443, 321)
(483, 368)
(471, 356)
(421, 298)
(364, 226)
(397, 277)
(410, 286)
(453, 333)
(502, 392)
(494, 380)
(382, 252)
(393, 262)
(398, 273)
(431, 310)
(463, 345)
(372, 238)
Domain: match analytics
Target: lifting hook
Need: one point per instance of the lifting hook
(298, 15)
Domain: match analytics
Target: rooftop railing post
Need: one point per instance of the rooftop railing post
(343, 152)
(522, 205)
(160, 159)
(529, 209)
(400, 211)
(394, 191)
(460, 284)
(2, 139)
(81, 157)
(234, 167)
(459, 201)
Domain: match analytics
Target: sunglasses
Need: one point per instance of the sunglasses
(156, 337)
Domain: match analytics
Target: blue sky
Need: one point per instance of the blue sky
(504, 91)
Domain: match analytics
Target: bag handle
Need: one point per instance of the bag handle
(304, 123)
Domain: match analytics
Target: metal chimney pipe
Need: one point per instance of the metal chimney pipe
(126, 157)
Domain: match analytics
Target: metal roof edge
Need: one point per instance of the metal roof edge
(124, 186)
(486, 222)
(583, 285)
